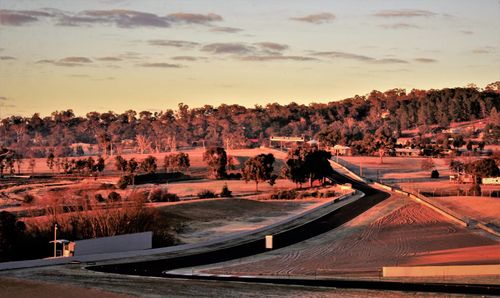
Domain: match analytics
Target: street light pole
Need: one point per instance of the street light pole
(55, 240)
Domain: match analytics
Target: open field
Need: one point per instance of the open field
(396, 232)
(207, 219)
(394, 169)
(480, 208)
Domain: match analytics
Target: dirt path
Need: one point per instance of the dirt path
(396, 232)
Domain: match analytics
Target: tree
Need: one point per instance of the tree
(482, 168)
(183, 162)
(149, 165)
(216, 159)
(50, 161)
(307, 163)
(259, 169)
(11, 233)
(32, 165)
(143, 143)
(120, 164)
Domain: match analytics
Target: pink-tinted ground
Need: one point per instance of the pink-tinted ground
(396, 232)
(484, 209)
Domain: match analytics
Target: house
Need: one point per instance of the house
(341, 150)
(407, 152)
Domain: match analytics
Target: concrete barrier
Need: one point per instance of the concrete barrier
(458, 270)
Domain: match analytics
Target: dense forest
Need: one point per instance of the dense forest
(364, 122)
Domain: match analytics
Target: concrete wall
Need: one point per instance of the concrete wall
(441, 271)
(128, 242)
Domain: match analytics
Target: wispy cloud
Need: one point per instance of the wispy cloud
(160, 65)
(272, 46)
(319, 18)
(109, 59)
(229, 48)
(7, 58)
(3, 98)
(194, 18)
(122, 18)
(226, 29)
(467, 32)
(400, 26)
(21, 17)
(404, 13)
(483, 50)
(173, 43)
(277, 58)
(68, 61)
(425, 60)
(188, 58)
(361, 58)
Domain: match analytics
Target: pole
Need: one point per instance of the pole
(55, 240)
(360, 169)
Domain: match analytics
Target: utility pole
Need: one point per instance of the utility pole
(360, 169)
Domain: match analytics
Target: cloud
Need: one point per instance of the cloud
(483, 50)
(3, 98)
(466, 32)
(389, 61)
(68, 61)
(229, 48)
(361, 58)
(7, 58)
(425, 60)
(174, 43)
(400, 26)
(194, 18)
(21, 17)
(272, 46)
(109, 59)
(119, 17)
(161, 65)
(344, 55)
(319, 18)
(188, 58)
(277, 58)
(404, 13)
(226, 29)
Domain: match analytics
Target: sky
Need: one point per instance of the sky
(116, 55)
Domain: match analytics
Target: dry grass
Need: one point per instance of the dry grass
(482, 208)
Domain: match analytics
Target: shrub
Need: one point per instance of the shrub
(99, 198)
(28, 198)
(434, 174)
(284, 195)
(234, 176)
(124, 182)
(206, 194)
(114, 196)
(225, 192)
(160, 195)
(475, 190)
(329, 194)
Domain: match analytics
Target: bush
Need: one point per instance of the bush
(160, 195)
(475, 190)
(434, 174)
(114, 196)
(99, 198)
(206, 194)
(28, 198)
(284, 195)
(225, 192)
(234, 176)
(329, 194)
(124, 182)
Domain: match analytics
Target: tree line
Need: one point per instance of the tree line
(364, 122)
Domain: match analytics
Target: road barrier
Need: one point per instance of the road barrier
(444, 271)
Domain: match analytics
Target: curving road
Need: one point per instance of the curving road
(281, 239)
